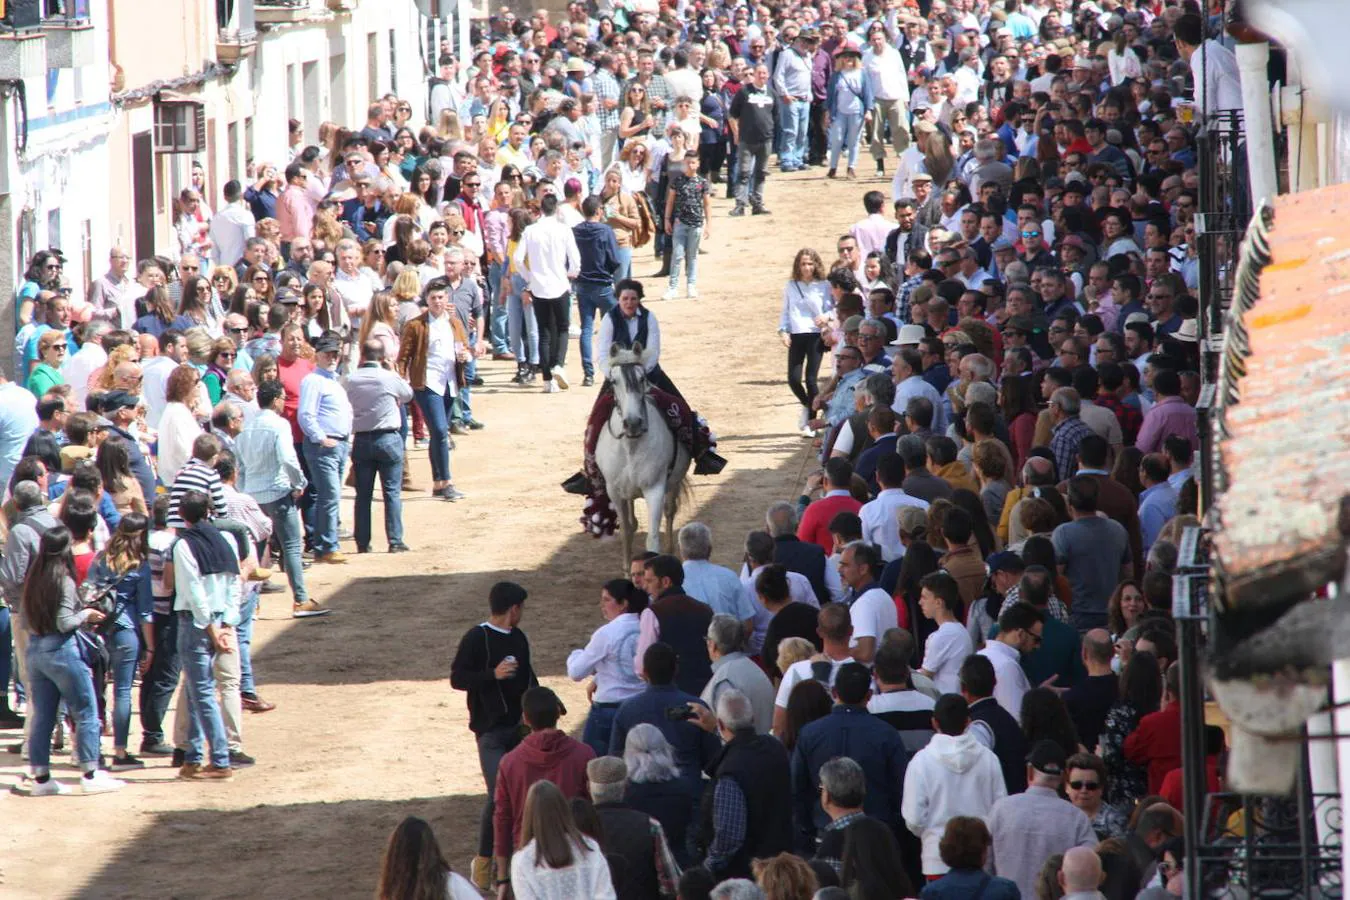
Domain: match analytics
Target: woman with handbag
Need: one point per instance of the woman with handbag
(806, 303)
(57, 670)
(123, 571)
(623, 214)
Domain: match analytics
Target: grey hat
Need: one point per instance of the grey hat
(1001, 243)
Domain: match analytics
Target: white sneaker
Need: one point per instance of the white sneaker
(49, 788)
(560, 378)
(803, 417)
(691, 292)
(100, 783)
(551, 387)
(669, 294)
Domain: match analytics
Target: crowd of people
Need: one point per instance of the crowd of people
(946, 670)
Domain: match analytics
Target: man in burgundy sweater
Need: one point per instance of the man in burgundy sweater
(546, 753)
(815, 523)
(1156, 743)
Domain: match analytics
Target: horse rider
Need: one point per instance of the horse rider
(626, 325)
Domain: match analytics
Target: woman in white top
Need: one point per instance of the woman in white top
(609, 657)
(1121, 61)
(555, 860)
(806, 304)
(633, 163)
(414, 867)
(178, 426)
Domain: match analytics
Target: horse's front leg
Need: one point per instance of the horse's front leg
(628, 527)
(656, 505)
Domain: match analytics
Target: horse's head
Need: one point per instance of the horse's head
(628, 374)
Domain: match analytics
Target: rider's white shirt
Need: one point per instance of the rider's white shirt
(652, 351)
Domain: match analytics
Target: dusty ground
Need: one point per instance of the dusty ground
(367, 728)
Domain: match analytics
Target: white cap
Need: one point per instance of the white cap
(909, 336)
(1189, 332)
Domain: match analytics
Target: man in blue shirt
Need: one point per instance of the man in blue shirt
(663, 705)
(1158, 502)
(717, 586)
(849, 730)
(325, 418)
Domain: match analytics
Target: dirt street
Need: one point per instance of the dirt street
(367, 728)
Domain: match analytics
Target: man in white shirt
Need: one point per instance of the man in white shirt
(232, 226)
(355, 284)
(885, 69)
(548, 256)
(83, 362)
(948, 647)
(155, 373)
(1214, 68)
(879, 523)
(1019, 631)
(871, 610)
(835, 629)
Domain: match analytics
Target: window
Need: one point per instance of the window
(180, 126)
(393, 64)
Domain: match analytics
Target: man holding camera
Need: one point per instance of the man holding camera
(667, 707)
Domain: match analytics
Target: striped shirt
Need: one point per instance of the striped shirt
(196, 476)
(268, 466)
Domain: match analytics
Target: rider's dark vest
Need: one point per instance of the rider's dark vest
(621, 338)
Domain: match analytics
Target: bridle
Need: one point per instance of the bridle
(634, 385)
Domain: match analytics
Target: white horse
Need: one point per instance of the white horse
(638, 455)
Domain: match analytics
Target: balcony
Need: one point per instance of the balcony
(71, 42)
(278, 12)
(237, 37)
(23, 54)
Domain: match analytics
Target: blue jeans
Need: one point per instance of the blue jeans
(796, 129)
(380, 453)
(845, 132)
(161, 680)
(497, 318)
(248, 609)
(464, 411)
(55, 673)
(592, 299)
(625, 264)
(522, 328)
(326, 467)
(686, 239)
(123, 649)
(286, 525)
(599, 726)
(205, 721)
(437, 409)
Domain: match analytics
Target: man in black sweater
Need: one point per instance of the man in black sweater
(993, 725)
(492, 665)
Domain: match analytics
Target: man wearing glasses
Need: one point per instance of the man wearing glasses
(107, 293)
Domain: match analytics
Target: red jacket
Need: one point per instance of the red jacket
(815, 525)
(548, 754)
(1156, 743)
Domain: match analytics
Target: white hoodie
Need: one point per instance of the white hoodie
(952, 776)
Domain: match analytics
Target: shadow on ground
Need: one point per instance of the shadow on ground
(181, 854)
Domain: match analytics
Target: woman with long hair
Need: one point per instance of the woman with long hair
(634, 167)
(555, 860)
(194, 304)
(409, 152)
(848, 99)
(806, 307)
(1124, 608)
(114, 465)
(53, 613)
(1045, 717)
(159, 313)
(521, 327)
(403, 230)
(878, 273)
(1140, 694)
(984, 534)
(872, 867)
(224, 280)
(314, 310)
(656, 788)
(635, 119)
(124, 566)
(621, 214)
(1121, 61)
(808, 701)
(380, 323)
(259, 278)
(609, 657)
(1017, 401)
(372, 256)
(415, 869)
(241, 298)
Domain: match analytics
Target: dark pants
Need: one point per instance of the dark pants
(161, 680)
(378, 453)
(306, 502)
(752, 162)
(711, 157)
(492, 746)
(733, 167)
(551, 314)
(804, 348)
(816, 142)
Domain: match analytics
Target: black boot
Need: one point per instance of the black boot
(665, 262)
(578, 484)
(709, 464)
(8, 717)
